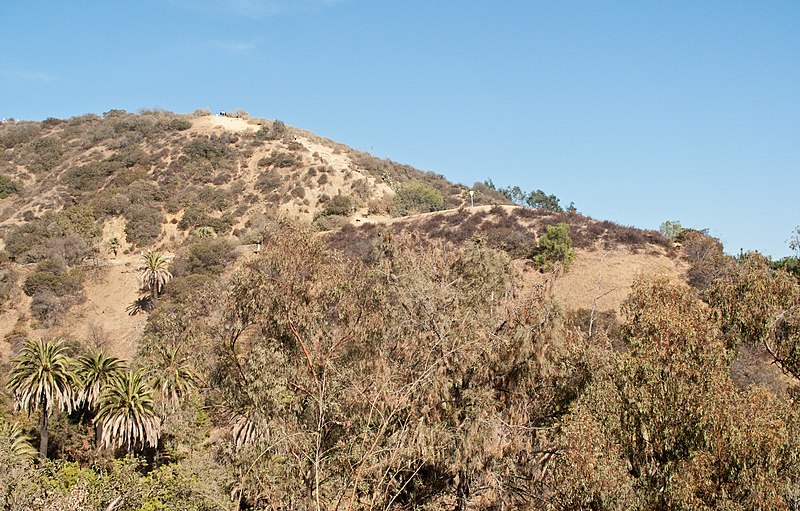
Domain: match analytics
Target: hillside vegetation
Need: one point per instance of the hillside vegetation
(212, 313)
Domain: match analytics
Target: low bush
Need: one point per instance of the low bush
(8, 187)
(214, 151)
(18, 133)
(207, 256)
(197, 215)
(331, 222)
(46, 154)
(339, 205)
(417, 197)
(53, 275)
(143, 225)
(279, 159)
(87, 178)
(53, 232)
(268, 181)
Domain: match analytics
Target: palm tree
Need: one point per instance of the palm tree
(114, 245)
(97, 370)
(127, 413)
(171, 374)
(155, 273)
(15, 440)
(43, 376)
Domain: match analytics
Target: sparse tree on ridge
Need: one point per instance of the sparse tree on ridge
(43, 376)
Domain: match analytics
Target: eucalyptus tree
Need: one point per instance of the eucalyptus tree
(43, 376)
(154, 273)
(97, 370)
(127, 413)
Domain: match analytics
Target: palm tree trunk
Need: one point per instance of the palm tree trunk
(43, 433)
(98, 433)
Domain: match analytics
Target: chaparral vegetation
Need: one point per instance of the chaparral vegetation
(254, 317)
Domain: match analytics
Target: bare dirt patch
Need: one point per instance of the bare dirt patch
(211, 123)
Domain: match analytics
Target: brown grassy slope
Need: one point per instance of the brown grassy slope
(609, 256)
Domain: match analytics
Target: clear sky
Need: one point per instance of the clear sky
(637, 111)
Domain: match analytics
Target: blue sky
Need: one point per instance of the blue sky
(638, 112)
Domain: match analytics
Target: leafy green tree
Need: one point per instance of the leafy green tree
(43, 376)
(555, 248)
(127, 413)
(759, 307)
(155, 273)
(671, 229)
(540, 200)
(515, 194)
(418, 197)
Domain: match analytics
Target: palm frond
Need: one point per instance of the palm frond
(127, 412)
(16, 441)
(43, 376)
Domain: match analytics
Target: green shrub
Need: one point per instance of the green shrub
(196, 215)
(87, 178)
(46, 154)
(143, 226)
(210, 256)
(279, 159)
(8, 187)
(67, 233)
(52, 275)
(671, 229)
(179, 124)
(273, 132)
(213, 151)
(339, 205)
(14, 134)
(417, 197)
(555, 247)
(268, 181)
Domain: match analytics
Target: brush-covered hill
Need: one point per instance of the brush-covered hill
(81, 198)
(318, 328)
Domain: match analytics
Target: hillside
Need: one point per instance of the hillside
(298, 322)
(151, 180)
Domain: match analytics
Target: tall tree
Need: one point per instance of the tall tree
(171, 374)
(155, 273)
(97, 370)
(127, 413)
(43, 376)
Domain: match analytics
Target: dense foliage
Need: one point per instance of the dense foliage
(421, 378)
